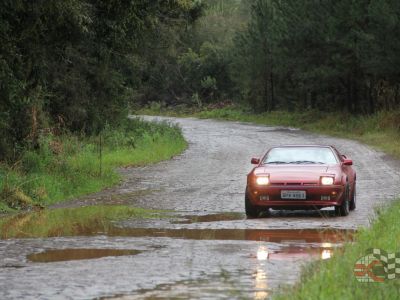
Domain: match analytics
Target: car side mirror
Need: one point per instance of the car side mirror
(255, 161)
(347, 162)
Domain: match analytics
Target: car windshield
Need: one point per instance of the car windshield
(300, 155)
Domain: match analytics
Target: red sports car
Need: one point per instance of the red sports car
(301, 177)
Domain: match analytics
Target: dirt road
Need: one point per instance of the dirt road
(208, 249)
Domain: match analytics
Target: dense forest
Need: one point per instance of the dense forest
(79, 65)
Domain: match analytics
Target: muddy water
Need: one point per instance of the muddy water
(204, 251)
(210, 218)
(295, 243)
(76, 254)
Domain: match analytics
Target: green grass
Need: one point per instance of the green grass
(68, 166)
(334, 279)
(87, 220)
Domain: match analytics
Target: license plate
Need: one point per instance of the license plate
(293, 195)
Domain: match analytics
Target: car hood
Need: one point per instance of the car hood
(297, 173)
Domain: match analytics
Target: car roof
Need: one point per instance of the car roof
(333, 148)
(304, 145)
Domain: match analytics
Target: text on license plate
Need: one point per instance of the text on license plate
(293, 194)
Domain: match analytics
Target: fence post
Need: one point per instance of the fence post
(101, 154)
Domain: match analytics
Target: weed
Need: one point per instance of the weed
(68, 166)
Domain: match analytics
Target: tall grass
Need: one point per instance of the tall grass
(68, 166)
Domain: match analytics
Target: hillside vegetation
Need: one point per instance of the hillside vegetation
(80, 65)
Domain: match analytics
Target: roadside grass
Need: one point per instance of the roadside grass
(68, 166)
(334, 278)
(79, 221)
(380, 130)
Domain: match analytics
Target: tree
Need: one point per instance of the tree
(73, 62)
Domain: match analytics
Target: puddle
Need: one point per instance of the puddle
(31, 226)
(77, 254)
(292, 252)
(288, 236)
(94, 221)
(210, 218)
(70, 221)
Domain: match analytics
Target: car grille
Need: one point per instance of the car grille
(295, 183)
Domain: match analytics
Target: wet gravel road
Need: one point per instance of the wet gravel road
(208, 178)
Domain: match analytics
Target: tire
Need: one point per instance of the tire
(353, 200)
(252, 211)
(344, 209)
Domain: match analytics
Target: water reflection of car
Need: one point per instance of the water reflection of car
(301, 177)
(293, 252)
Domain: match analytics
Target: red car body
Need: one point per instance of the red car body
(299, 185)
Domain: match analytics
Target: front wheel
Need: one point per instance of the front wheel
(344, 208)
(353, 199)
(252, 211)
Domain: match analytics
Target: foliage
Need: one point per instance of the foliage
(203, 73)
(68, 166)
(74, 65)
(196, 69)
(327, 55)
(78, 65)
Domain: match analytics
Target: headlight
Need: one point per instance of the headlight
(326, 180)
(262, 180)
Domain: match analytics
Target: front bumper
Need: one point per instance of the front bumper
(270, 195)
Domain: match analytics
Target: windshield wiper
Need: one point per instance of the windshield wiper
(277, 162)
(306, 162)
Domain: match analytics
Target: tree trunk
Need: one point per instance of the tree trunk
(371, 108)
(355, 96)
(349, 95)
(313, 97)
(265, 95)
(271, 79)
